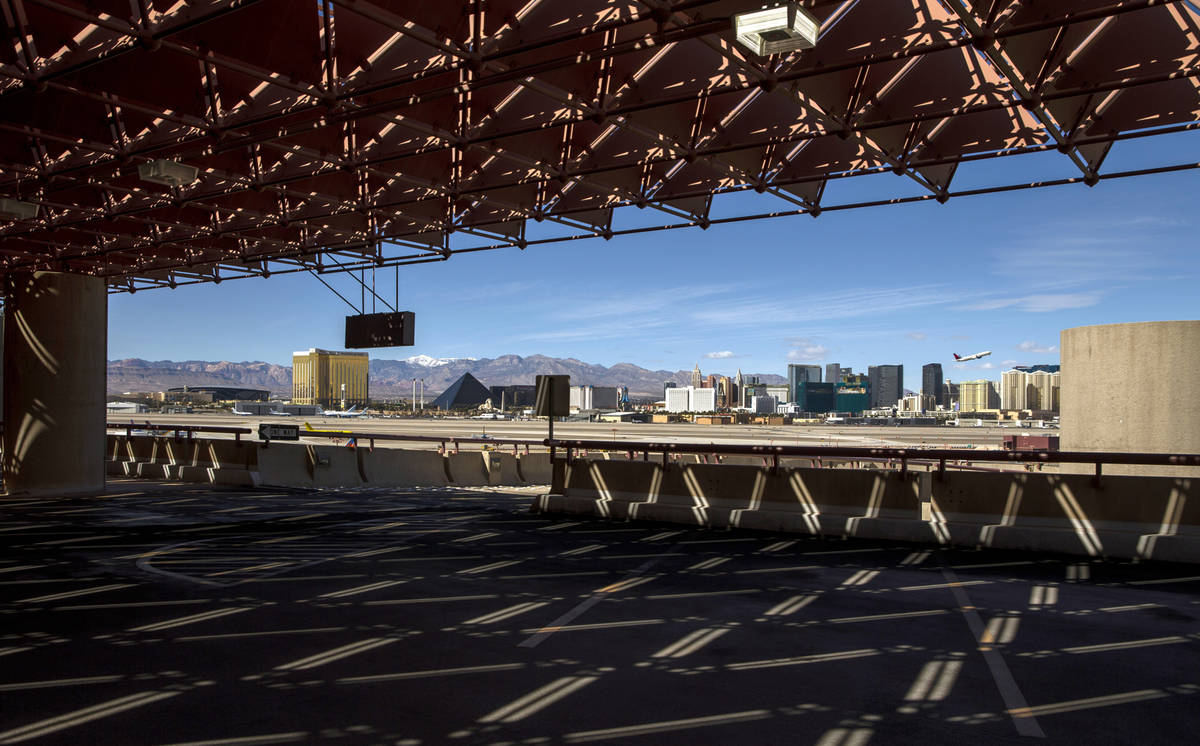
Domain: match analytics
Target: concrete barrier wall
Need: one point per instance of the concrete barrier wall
(534, 468)
(394, 467)
(196, 460)
(1144, 517)
(466, 469)
(1147, 517)
(278, 464)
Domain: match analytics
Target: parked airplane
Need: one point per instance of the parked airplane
(351, 412)
(280, 414)
(976, 356)
(240, 413)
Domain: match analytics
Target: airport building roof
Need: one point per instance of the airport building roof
(160, 143)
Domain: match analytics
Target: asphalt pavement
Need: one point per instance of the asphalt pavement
(174, 613)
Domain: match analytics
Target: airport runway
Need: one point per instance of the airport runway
(808, 435)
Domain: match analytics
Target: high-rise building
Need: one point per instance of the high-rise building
(513, 395)
(1012, 390)
(739, 384)
(798, 374)
(678, 398)
(704, 400)
(817, 397)
(833, 373)
(593, 397)
(886, 384)
(931, 381)
(725, 392)
(949, 395)
(691, 399)
(1033, 387)
(668, 385)
(853, 397)
(696, 378)
(753, 389)
(975, 396)
(329, 379)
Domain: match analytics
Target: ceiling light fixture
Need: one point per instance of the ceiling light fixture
(15, 209)
(167, 173)
(777, 29)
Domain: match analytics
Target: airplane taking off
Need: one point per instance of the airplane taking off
(351, 412)
(976, 356)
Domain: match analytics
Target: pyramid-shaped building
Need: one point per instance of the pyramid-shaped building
(465, 393)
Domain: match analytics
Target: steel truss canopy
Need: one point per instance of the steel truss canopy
(333, 135)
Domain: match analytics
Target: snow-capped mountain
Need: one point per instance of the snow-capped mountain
(430, 362)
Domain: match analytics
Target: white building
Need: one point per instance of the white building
(780, 392)
(691, 399)
(679, 399)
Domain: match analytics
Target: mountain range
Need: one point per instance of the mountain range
(393, 378)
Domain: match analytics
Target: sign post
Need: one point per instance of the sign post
(553, 400)
(269, 432)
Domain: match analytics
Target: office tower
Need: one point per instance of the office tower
(668, 385)
(886, 384)
(739, 389)
(329, 379)
(833, 373)
(798, 374)
(696, 379)
(931, 381)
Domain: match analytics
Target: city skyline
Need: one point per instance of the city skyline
(906, 285)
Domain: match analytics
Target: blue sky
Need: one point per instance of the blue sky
(906, 284)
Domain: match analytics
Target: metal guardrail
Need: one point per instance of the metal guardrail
(370, 438)
(772, 452)
(179, 430)
(866, 453)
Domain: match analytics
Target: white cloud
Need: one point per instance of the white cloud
(918, 336)
(722, 355)
(827, 306)
(804, 349)
(1028, 346)
(1040, 303)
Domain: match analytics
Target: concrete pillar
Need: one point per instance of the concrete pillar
(55, 345)
(1132, 388)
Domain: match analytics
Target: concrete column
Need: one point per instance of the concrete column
(55, 350)
(1132, 388)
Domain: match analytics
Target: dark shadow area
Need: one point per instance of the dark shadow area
(167, 614)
